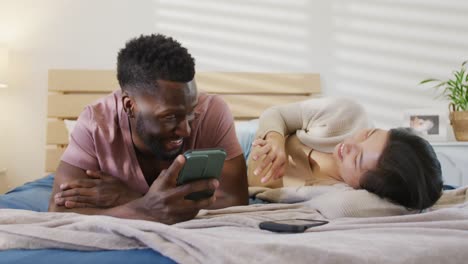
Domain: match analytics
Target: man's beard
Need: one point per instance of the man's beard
(154, 143)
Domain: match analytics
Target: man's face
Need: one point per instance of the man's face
(164, 121)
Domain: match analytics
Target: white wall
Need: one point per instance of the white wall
(54, 34)
(383, 48)
(375, 50)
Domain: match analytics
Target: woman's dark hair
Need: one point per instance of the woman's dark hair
(146, 59)
(408, 171)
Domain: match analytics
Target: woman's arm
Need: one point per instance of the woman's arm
(268, 161)
(283, 119)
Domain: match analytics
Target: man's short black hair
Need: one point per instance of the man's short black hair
(146, 59)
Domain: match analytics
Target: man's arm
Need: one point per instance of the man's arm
(67, 173)
(164, 202)
(233, 184)
(98, 190)
(219, 128)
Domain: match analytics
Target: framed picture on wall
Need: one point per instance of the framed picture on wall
(430, 123)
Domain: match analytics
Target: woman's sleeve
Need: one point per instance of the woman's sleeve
(289, 118)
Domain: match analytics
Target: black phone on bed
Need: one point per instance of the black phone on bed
(291, 225)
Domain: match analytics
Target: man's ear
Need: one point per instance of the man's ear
(128, 104)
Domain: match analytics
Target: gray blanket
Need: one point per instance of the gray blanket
(387, 233)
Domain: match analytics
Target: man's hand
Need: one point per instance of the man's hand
(99, 190)
(165, 202)
(272, 156)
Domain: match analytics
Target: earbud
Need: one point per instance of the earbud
(130, 113)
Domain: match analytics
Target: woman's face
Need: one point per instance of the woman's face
(359, 154)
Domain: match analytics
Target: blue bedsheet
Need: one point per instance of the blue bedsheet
(35, 196)
(32, 196)
(51, 256)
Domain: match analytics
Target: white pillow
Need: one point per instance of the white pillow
(245, 131)
(69, 124)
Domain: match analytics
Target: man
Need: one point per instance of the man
(124, 154)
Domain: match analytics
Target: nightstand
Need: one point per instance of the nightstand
(453, 157)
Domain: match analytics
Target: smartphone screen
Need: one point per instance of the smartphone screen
(291, 225)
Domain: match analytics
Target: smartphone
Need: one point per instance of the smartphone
(291, 225)
(201, 164)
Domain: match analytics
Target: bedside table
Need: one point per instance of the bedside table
(453, 157)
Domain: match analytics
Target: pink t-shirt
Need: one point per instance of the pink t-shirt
(101, 138)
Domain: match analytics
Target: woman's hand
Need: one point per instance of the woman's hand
(271, 154)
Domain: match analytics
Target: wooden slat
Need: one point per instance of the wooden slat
(251, 106)
(69, 105)
(57, 133)
(258, 83)
(83, 80)
(212, 82)
(53, 158)
(242, 106)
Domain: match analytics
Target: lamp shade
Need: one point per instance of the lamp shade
(3, 66)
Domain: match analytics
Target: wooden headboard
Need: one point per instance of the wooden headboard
(247, 94)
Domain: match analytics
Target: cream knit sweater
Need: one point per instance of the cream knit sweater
(318, 124)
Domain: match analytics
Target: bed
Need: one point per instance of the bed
(247, 94)
(363, 228)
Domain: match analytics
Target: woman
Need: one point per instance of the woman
(329, 140)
